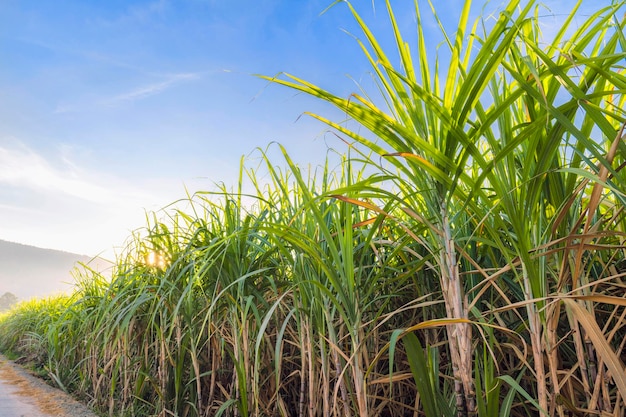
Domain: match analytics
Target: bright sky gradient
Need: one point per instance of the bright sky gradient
(111, 108)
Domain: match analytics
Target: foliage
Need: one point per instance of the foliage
(465, 258)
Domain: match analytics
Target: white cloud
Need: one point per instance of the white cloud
(22, 167)
(56, 203)
(64, 108)
(152, 89)
(144, 12)
(137, 14)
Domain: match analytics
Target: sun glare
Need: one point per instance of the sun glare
(155, 259)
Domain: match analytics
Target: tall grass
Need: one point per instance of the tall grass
(509, 132)
(466, 256)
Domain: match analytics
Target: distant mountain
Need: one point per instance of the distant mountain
(29, 271)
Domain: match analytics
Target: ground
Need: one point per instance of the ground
(35, 396)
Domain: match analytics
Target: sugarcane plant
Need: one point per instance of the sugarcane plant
(464, 256)
(509, 138)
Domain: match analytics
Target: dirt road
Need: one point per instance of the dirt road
(23, 395)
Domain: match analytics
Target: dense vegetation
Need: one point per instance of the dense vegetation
(465, 258)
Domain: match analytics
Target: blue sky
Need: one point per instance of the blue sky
(110, 108)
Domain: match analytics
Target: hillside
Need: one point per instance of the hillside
(29, 271)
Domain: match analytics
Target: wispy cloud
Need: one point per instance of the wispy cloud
(22, 167)
(54, 202)
(62, 108)
(152, 89)
(139, 93)
(140, 13)
(134, 14)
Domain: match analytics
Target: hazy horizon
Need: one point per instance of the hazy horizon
(32, 272)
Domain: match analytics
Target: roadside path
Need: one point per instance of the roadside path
(24, 395)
